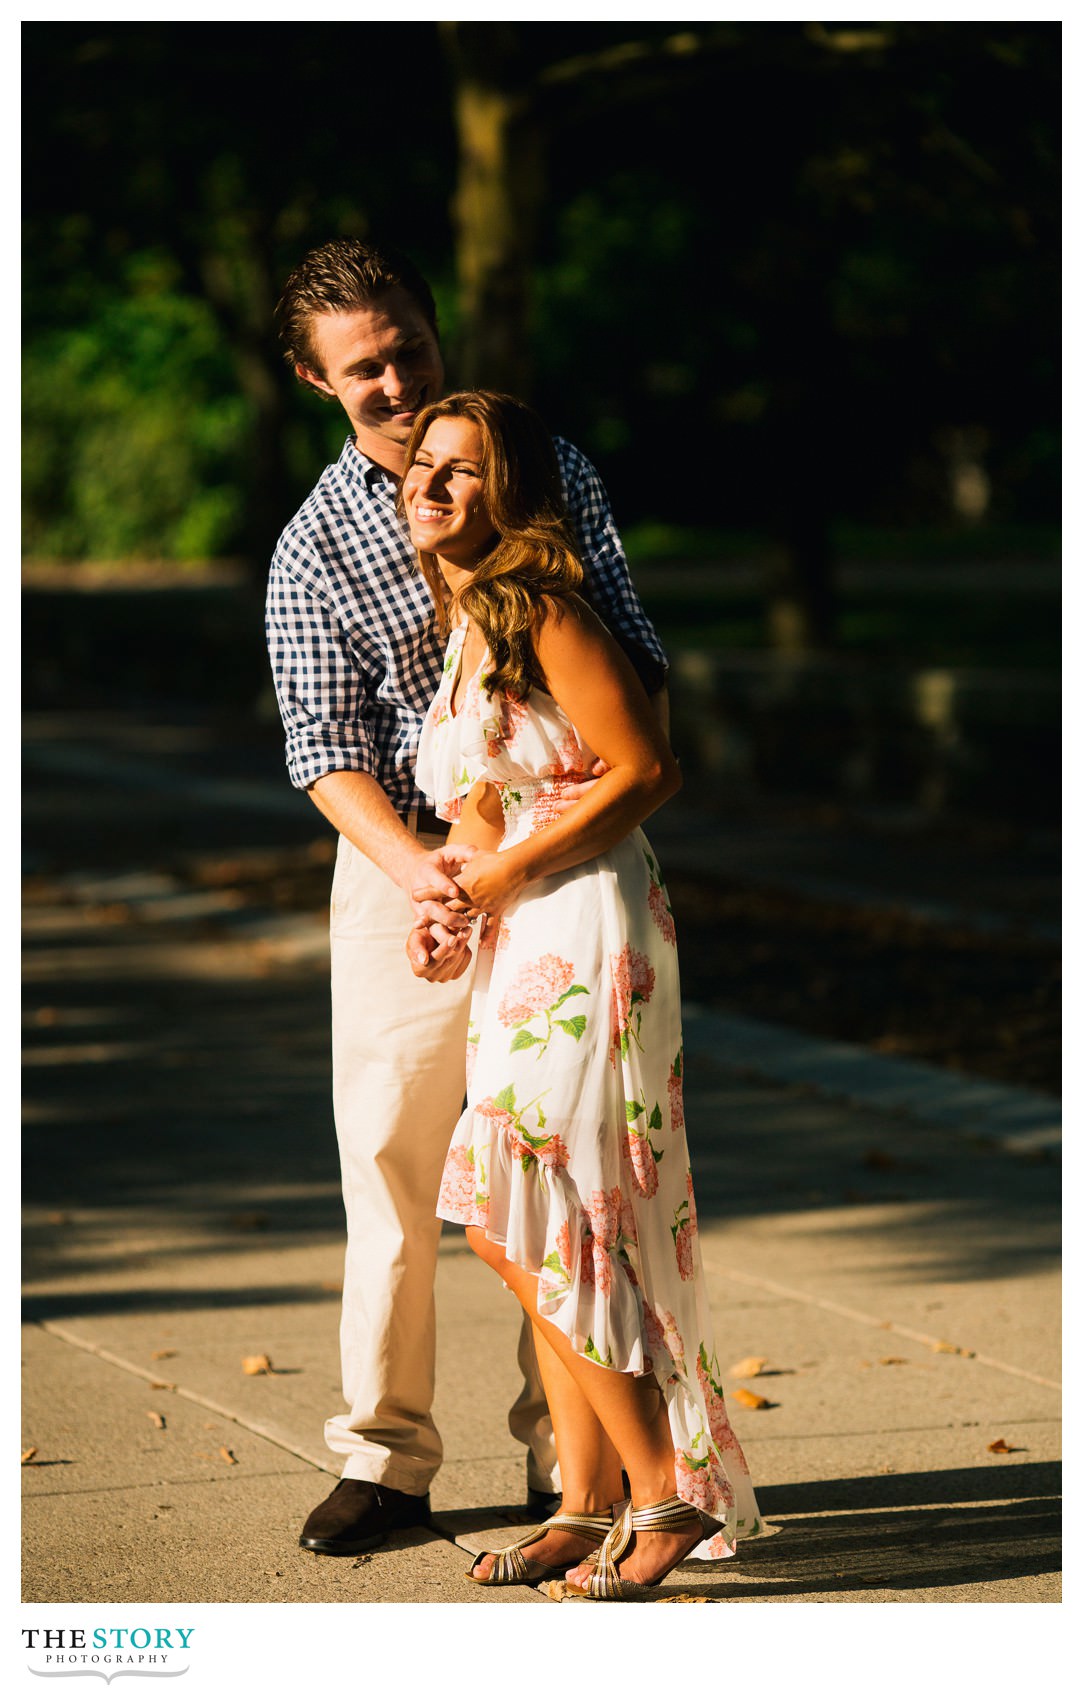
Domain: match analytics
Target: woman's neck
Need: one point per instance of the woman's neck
(453, 573)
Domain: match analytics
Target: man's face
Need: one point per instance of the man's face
(383, 364)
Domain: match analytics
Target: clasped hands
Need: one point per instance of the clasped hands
(450, 889)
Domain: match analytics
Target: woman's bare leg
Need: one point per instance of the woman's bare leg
(629, 1409)
(589, 1466)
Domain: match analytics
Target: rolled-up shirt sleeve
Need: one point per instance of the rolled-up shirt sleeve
(610, 583)
(321, 691)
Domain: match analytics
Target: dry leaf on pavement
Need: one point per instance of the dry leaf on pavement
(748, 1366)
(894, 1360)
(29, 1455)
(226, 1453)
(958, 1351)
(1002, 1446)
(754, 1401)
(258, 1365)
(167, 1352)
(156, 1418)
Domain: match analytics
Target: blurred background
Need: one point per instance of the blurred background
(794, 287)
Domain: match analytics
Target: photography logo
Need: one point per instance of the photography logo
(108, 1652)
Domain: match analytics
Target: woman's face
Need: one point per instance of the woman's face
(443, 495)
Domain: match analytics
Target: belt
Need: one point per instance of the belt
(425, 819)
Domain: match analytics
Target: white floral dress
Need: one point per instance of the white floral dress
(571, 1152)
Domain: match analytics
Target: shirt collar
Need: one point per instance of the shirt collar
(357, 466)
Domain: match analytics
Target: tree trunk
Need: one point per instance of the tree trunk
(496, 204)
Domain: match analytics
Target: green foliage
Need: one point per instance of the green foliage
(134, 436)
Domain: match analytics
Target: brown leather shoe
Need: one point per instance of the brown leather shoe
(357, 1516)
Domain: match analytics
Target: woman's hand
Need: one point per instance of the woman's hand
(492, 882)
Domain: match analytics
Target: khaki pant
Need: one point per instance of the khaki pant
(399, 1047)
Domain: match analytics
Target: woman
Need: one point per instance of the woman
(569, 1167)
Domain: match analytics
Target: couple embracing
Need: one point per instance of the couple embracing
(474, 698)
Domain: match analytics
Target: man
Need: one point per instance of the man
(356, 661)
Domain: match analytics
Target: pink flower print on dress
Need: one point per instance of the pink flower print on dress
(681, 1229)
(555, 1274)
(686, 1266)
(458, 1184)
(652, 1329)
(513, 717)
(676, 1092)
(564, 1246)
(717, 1417)
(546, 1149)
(495, 934)
(539, 990)
(693, 1219)
(693, 1481)
(595, 1267)
(638, 1149)
(553, 1153)
(671, 1334)
(604, 1211)
(702, 1482)
(568, 758)
(661, 913)
(538, 987)
(628, 1222)
(495, 1113)
(633, 983)
(639, 1155)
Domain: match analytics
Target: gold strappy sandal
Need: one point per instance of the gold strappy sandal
(605, 1583)
(511, 1566)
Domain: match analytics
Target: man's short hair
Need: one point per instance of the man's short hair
(340, 277)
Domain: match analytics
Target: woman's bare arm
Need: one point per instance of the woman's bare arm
(591, 680)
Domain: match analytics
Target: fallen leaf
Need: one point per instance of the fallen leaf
(748, 1366)
(162, 1386)
(156, 1418)
(168, 1352)
(226, 1453)
(260, 1365)
(957, 1351)
(894, 1360)
(754, 1401)
(1002, 1446)
(30, 1454)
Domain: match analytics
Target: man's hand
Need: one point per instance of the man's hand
(571, 794)
(433, 961)
(439, 906)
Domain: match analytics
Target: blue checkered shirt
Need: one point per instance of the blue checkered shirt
(352, 632)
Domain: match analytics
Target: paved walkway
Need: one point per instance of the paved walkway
(897, 1274)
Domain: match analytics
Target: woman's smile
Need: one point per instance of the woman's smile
(444, 493)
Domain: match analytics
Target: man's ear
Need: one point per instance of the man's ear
(308, 376)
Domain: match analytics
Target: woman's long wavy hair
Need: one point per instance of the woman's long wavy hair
(534, 556)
